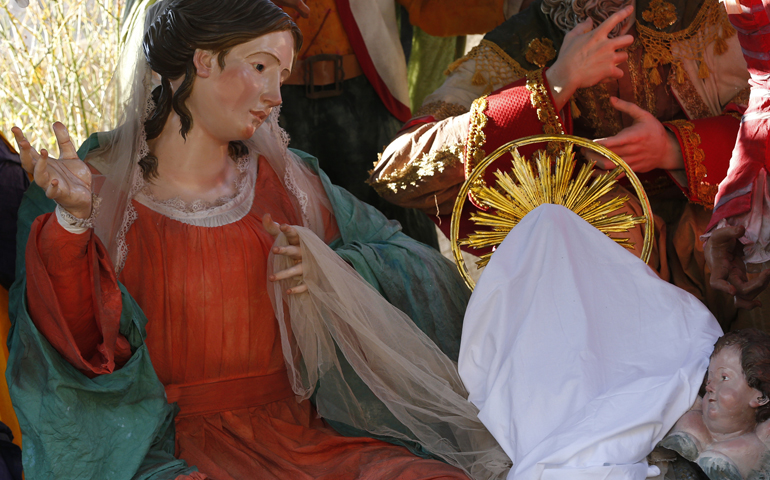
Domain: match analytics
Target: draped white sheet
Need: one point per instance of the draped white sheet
(578, 356)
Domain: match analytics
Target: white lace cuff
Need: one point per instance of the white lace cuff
(65, 220)
(76, 225)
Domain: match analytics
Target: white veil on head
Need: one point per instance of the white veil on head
(397, 361)
(120, 150)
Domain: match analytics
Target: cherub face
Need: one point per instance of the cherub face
(231, 103)
(729, 402)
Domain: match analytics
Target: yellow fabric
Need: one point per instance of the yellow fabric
(322, 30)
(446, 18)
(7, 414)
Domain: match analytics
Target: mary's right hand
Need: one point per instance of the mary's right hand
(66, 180)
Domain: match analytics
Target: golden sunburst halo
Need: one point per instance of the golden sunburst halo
(510, 200)
(548, 177)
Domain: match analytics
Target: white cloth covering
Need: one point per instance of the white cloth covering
(579, 358)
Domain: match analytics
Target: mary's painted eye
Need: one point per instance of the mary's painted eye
(724, 377)
(259, 67)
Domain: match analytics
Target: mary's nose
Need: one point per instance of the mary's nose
(709, 388)
(272, 94)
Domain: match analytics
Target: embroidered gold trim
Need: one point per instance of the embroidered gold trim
(440, 110)
(701, 191)
(661, 14)
(693, 104)
(643, 91)
(691, 41)
(474, 153)
(493, 66)
(413, 173)
(540, 51)
(596, 99)
(542, 103)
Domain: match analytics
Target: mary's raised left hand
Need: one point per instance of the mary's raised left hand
(292, 251)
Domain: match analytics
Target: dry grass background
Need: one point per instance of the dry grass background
(56, 60)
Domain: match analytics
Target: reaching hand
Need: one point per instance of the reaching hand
(724, 256)
(588, 57)
(292, 251)
(298, 5)
(644, 146)
(66, 180)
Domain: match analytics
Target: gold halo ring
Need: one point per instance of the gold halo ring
(477, 173)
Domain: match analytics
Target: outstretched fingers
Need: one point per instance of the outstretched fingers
(290, 272)
(620, 42)
(43, 176)
(613, 21)
(583, 27)
(293, 252)
(67, 149)
(633, 110)
(295, 272)
(27, 154)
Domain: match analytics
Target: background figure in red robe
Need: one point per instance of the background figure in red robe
(739, 231)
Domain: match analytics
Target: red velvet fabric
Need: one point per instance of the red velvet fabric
(510, 115)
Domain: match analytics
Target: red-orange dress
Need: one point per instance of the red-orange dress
(215, 344)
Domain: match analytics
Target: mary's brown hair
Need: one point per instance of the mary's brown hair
(186, 25)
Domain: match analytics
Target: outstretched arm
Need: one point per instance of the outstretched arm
(72, 289)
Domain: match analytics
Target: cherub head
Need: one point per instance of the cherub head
(738, 383)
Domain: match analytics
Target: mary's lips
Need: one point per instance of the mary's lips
(260, 115)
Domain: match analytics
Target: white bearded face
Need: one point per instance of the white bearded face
(567, 14)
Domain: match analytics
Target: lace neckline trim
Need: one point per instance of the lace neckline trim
(223, 211)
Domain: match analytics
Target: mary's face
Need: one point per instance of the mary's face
(728, 396)
(233, 102)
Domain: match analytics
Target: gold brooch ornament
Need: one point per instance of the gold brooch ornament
(513, 196)
(661, 14)
(540, 51)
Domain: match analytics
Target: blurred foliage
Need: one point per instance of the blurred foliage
(56, 61)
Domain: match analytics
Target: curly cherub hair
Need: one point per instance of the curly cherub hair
(754, 346)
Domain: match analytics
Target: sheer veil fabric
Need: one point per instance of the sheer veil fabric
(398, 362)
